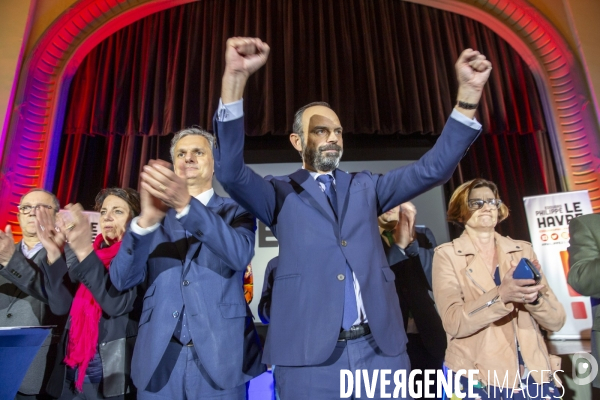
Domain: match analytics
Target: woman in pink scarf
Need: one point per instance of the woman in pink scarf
(102, 326)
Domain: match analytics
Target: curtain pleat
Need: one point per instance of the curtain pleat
(385, 66)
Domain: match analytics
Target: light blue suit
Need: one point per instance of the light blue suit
(206, 275)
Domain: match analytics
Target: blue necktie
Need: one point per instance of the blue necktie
(350, 311)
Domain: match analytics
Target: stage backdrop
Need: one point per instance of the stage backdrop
(431, 211)
(548, 217)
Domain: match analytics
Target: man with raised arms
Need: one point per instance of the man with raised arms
(334, 303)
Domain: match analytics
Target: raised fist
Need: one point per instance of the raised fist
(245, 55)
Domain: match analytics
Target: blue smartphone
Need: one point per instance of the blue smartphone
(526, 270)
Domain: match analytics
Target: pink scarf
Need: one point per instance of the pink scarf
(85, 317)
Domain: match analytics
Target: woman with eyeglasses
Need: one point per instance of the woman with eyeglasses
(493, 320)
(102, 326)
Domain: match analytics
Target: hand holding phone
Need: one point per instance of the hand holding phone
(526, 270)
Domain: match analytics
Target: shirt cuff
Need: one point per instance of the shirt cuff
(142, 231)
(400, 248)
(460, 117)
(183, 212)
(412, 250)
(230, 111)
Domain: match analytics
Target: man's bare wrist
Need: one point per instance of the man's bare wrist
(468, 95)
(233, 86)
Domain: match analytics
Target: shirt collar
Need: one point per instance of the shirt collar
(34, 250)
(205, 197)
(315, 175)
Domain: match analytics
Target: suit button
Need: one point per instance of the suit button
(9, 315)
(103, 344)
(341, 277)
(129, 251)
(175, 314)
(186, 282)
(199, 232)
(344, 243)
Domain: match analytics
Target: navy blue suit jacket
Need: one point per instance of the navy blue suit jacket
(206, 276)
(423, 245)
(314, 246)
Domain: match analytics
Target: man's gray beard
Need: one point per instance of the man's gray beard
(320, 161)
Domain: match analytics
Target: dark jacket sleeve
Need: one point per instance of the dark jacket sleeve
(128, 268)
(584, 255)
(92, 273)
(244, 185)
(427, 245)
(58, 286)
(264, 306)
(434, 168)
(26, 275)
(233, 243)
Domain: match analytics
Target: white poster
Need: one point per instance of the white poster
(548, 217)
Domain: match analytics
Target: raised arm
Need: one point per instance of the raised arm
(18, 269)
(438, 164)
(92, 273)
(89, 270)
(128, 268)
(243, 57)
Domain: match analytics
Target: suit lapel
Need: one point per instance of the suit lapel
(313, 194)
(215, 204)
(342, 183)
(177, 233)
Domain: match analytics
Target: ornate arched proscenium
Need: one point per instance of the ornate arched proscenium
(572, 119)
(35, 124)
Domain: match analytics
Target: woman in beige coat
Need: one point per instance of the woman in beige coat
(492, 320)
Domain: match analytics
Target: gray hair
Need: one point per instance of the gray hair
(54, 198)
(297, 126)
(191, 131)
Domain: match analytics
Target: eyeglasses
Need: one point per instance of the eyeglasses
(27, 209)
(476, 204)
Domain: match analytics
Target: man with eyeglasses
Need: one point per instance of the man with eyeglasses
(24, 299)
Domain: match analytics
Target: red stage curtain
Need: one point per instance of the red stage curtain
(385, 66)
